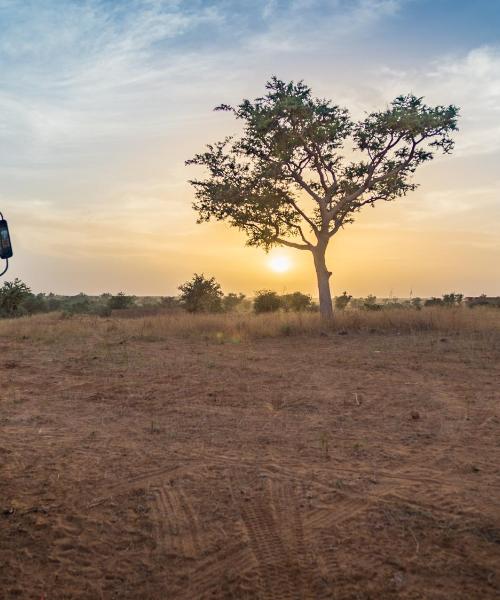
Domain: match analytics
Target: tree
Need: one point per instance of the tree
(296, 302)
(287, 179)
(12, 294)
(201, 294)
(266, 301)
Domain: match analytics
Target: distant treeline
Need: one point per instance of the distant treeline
(202, 294)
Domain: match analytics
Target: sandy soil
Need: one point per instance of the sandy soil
(355, 466)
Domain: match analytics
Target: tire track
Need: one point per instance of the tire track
(280, 573)
(140, 480)
(219, 569)
(337, 513)
(176, 527)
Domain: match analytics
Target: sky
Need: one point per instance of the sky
(102, 101)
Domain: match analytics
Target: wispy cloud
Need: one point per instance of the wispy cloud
(101, 101)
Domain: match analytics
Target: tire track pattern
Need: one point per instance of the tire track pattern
(176, 527)
(275, 554)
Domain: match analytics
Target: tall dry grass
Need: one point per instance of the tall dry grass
(238, 327)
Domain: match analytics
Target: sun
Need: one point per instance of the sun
(279, 264)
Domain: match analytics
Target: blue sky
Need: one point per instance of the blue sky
(101, 102)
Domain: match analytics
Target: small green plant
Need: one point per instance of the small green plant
(155, 427)
(323, 440)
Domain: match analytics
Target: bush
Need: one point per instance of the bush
(416, 303)
(53, 302)
(370, 303)
(232, 301)
(433, 302)
(169, 302)
(79, 304)
(121, 301)
(201, 294)
(341, 302)
(448, 300)
(483, 300)
(452, 299)
(266, 301)
(34, 303)
(296, 302)
(12, 295)
(102, 310)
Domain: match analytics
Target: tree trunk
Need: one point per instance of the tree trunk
(323, 275)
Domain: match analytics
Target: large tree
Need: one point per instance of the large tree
(302, 168)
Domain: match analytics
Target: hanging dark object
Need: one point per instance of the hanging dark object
(5, 244)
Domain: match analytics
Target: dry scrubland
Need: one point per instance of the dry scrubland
(227, 456)
(235, 327)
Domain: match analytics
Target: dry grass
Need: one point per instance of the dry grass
(238, 327)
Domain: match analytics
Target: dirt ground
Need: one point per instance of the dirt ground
(326, 466)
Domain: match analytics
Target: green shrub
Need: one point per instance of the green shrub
(232, 301)
(296, 302)
(370, 303)
(433, 302)
(169, 302)
(452, 299)
(12, 295)
(266, 301)
(341, 302)
(121, 301)
(201, 294)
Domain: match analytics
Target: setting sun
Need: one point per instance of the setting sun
(279, 264)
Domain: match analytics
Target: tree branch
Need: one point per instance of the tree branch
(304, 216)
(369, 181)
(293, 244)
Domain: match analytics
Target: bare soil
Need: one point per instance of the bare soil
(333, 466)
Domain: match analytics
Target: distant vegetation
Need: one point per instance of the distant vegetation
(204, 295)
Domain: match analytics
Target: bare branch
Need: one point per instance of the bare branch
(303, 215)
(303, 184)
(293, 244)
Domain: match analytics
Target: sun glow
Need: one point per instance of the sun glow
(279, 264)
